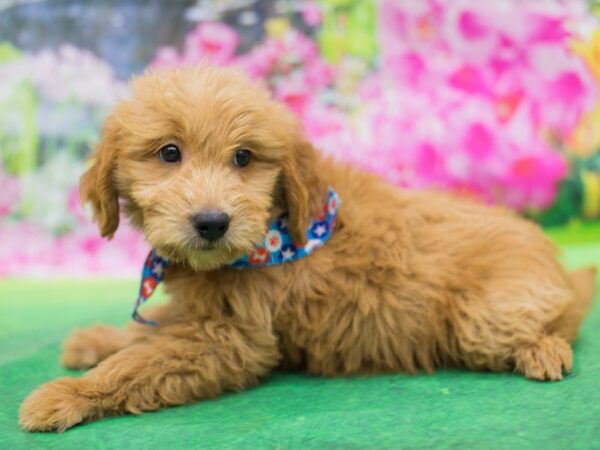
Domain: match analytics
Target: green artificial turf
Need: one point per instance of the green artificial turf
(451, 409)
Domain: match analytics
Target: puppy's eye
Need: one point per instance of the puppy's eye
(242, 157)
(169, 153)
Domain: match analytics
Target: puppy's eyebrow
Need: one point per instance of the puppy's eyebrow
(264, 149)
(145, 148)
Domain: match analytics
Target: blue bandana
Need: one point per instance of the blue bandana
(277, 248)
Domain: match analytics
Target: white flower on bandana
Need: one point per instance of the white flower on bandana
(273, 240)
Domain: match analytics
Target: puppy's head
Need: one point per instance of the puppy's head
(201, 160)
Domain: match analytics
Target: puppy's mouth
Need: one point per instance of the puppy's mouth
(200, 247)
(203, 246)
(191, 246)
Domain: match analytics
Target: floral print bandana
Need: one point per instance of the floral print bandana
(277, 248)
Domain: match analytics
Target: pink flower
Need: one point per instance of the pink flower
(212, 42)
(166, 57)
(547, 29)
(565, 100)
(479, 142)
(295, 95)
(318, 74)
(532, 179)
(429, 162)
(300, 45)
(472, 26)
(409, 67)
(311, 14)
(506, 105)
(469, 79)
(261, 60)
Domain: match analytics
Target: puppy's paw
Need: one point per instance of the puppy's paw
(545, 360)
(55, 406)
(86, 348)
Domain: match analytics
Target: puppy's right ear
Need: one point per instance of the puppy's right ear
(304, 188)
(97, 184)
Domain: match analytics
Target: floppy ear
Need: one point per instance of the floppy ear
(97, 184)
(304, 190)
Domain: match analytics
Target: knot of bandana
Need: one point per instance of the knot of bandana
(276, 248)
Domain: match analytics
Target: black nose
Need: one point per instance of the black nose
(211, 225)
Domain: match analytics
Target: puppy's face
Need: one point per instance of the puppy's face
(202, 160)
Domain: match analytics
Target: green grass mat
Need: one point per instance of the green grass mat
(449, 410)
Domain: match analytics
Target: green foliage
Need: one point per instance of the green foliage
(577, 194)
(19, 132)
(8, 52)
(348, 28)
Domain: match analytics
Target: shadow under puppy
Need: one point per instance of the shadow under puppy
(203, 162)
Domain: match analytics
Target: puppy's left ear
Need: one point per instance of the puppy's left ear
(303, 186)
(97, 185)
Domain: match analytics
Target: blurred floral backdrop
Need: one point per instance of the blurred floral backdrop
(493, 100)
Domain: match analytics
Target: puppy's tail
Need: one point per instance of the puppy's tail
(584, 285)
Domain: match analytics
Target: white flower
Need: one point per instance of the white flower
(273, 241)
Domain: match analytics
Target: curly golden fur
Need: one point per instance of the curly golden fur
(408, 281)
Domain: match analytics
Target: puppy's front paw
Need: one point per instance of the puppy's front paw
(86, 348)
(55, 406)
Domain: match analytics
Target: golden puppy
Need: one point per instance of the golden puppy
(408, 281)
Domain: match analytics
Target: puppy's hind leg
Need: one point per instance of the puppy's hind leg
(501, 335)
(545, 359)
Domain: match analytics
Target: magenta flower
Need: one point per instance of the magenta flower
(311, 14)
(566, 98)
(472, 26)
(261, 60)
(212, 42)
(533, 179)
(317, 74)
(300, 46)
(295, 95)
(547, 29)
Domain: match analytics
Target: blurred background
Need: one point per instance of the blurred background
(494, 100)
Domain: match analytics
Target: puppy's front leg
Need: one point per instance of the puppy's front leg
(178, 365)
(84, 349)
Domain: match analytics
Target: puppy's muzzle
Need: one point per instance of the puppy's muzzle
(211, 225)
